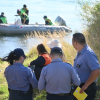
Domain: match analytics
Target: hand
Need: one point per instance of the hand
(84, 87)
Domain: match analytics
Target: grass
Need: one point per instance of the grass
(69, 53)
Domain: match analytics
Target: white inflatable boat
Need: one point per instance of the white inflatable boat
(18, 28)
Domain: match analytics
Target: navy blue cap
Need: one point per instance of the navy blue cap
(45, 17)
(19, 52)
(56, 50)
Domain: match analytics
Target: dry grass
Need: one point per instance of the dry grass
(68, 50)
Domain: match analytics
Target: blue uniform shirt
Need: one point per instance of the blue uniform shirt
(85, 62)
(19, 77)
(57, 77)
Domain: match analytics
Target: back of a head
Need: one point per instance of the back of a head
(24, 6)
(15, 55)
(54, 43)
(56, 51)
(45, 17)
(79, 37)
(2, 13)
(41, 49)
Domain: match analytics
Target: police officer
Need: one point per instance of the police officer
(57, 77)
(47, 21)
(20, 79)
(25, 9)
(3, 18)
(87, 66)
(24, 17)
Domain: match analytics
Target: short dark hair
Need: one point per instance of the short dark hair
(41, 49)
(2, 13)
(24, 6)
(79, 37)
(45, 17)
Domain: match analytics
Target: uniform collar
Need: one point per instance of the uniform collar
(57, 60)
(83, 50)
(16, 63)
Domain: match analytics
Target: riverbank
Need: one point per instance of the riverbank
(68, 50)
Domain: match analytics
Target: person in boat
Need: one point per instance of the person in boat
(24, 17)
(42, 60)
(25, 9)
(3, 18)
(21, 80)
(47, 21)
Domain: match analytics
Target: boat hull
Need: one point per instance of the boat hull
(7, 29)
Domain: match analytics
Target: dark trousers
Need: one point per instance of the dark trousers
(26, 22)
(1, 21)
(20, 95)
(91, 91)
(56, 97)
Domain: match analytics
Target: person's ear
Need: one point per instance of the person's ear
(21, 57)
(51, 56)
(62, 56)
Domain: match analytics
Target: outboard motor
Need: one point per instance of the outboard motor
(59, 21)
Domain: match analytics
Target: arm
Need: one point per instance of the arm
(94, 74)
(93, 64)
(75, 77)
(46, 22)
(32, 78)
(40, 61)
(42, 82)
(27, 11)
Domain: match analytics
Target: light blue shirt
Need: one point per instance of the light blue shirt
(85, 62)
(57, 77)
(19, 77)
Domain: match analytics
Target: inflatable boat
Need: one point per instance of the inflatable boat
(18, 28)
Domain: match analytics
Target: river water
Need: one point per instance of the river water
(68, 9)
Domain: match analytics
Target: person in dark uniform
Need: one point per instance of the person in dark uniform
(3, 18)
(42, 60)
(47, 21)
(24, 17)
(57, 77)
(21, 80)
(87, 66)
(25, 9)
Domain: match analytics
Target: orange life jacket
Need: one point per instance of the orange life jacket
(47, 59)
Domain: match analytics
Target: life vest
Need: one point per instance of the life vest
(47, 59)
(49, 21)
(24, 10)
(21, 15)
(4, 20)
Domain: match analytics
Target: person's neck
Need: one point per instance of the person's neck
(18, 62)
(81, 47)
(56, 58)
